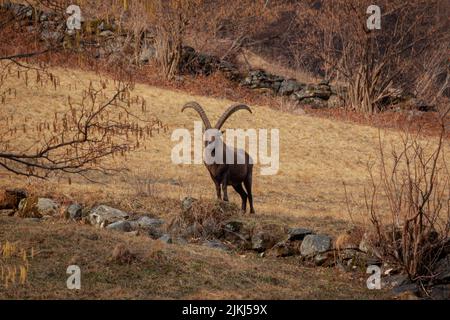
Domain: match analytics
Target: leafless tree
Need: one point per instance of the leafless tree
(372, 63)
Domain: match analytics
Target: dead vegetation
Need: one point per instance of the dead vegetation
(412, 232)
(202, 219)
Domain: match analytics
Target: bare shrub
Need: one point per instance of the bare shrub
(202, 219)
(414, 181)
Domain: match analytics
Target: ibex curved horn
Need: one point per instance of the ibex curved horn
(194, 105)
(229, 112)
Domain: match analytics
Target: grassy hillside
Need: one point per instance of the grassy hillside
(317, 156)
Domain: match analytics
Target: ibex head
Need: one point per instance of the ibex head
(232, 109)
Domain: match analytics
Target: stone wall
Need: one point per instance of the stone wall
(114, 46)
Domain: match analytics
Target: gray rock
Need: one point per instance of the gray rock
(46, 206)
(215, 244)
(259, 79)
(314, 244)
(34, 207)
(298, 233)
(103, 215)
(289, 86)
(313, 91)
(166, 238)
(146, 222)
(123, 226)
(74, 211)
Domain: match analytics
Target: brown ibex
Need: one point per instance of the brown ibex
(225, 174)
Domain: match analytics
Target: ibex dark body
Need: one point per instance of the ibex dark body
(238, 175)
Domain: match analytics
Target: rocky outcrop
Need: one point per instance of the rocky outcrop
(35, 207)
(103, 215)
(314, 244)
(74, 212)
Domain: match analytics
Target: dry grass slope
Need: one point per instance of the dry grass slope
(316, 157)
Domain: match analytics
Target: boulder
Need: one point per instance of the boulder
(37, 207)
(146, 222)
(123, 226)
(313, 91)
(260, 79)
(298, 233)
(289, 86)
(103, 215)
(314, 244)
(74, 212)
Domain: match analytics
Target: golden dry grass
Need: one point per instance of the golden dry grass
(316, 157)
(161, 271)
